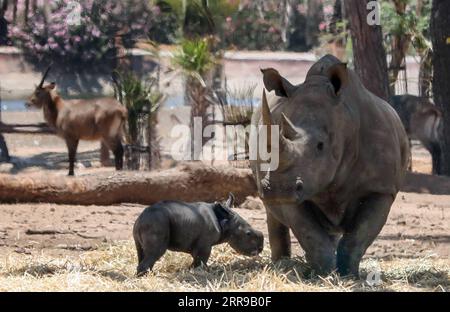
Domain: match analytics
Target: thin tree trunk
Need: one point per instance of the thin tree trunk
(14, 11)
(287, 12)
(4, 154)
(3, 23)
(197, 98)
(27, 11)
(440, 34)
(426, 74)
(400, 45)
(313, 19)
(368, 51)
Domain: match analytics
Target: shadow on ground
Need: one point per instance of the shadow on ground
(52, 161)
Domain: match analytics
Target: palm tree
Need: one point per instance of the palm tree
(195, 59)
(142, 100)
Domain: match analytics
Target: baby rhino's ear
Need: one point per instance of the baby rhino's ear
(230, 201)
(222, 212)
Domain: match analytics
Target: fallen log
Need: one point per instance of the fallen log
(41, 128)
(188, 182)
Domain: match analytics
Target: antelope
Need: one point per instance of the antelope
(422, 121)
(75, 120)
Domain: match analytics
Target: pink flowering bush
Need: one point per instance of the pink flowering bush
(81, 33)
(247, 30)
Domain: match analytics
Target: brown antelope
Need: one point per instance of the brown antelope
(423, 121)
(76, 120)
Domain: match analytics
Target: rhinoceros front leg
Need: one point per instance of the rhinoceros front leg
(318, 244)
(359, 235)
(279, 238)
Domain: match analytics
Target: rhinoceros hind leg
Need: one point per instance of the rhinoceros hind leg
(367, 224)
(201, 256)
(279, 238)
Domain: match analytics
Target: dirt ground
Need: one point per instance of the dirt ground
(418, 225)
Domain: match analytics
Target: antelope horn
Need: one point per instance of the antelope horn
(45, 76)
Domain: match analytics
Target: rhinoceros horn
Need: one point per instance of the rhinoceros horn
(287, 127)
(267, 119)
(288, 132)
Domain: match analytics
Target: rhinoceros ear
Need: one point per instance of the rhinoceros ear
(273, 81)
(338, 75)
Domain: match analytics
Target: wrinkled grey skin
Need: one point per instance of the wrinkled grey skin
(343, 155)
(422, 121)
(192, 228)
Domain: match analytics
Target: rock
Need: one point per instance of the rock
(252, 203)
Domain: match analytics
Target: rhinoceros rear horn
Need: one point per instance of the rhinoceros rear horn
(338, 75)
(273, 81)
(287, 128)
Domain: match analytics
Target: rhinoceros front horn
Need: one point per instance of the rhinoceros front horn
(267, 118)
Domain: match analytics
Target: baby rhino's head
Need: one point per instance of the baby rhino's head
(239, 234)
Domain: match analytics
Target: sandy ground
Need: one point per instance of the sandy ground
(418, 225)
(417, 228)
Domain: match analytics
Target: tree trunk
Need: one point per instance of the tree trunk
(4, 154)
(3, 23)
(26, 12)
(287, 12)
(197, 98)
(314, 17)
(189, 182)
(440, 35)
(400, 45)
(426, 74)
(14, 11)
(368, 51)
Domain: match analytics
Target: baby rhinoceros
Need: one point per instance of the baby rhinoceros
(192, 228)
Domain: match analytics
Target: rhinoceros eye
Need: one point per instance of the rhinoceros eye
(320, 146)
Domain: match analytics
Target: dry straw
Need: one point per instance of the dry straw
(112, 268)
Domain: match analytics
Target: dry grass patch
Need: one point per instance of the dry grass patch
(112, 268)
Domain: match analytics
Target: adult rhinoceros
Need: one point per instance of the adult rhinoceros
(343, 154)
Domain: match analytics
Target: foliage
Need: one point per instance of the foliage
(239, 104)
(165, 24)
(53, 39)
(193, 20)
(194, 56)
(247, 30)
(142, 99)
(410, 23)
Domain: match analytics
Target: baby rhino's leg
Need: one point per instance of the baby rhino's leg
(201, 255)
(154, 245)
